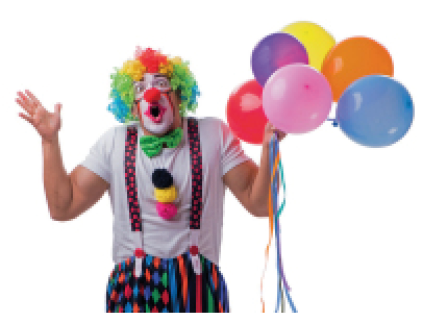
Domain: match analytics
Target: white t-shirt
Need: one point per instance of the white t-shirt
(221, 151)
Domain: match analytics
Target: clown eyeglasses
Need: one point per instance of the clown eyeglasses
(160, 83)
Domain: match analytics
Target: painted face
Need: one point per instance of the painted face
(154, 104)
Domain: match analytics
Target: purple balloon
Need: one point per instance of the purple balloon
(274, 52)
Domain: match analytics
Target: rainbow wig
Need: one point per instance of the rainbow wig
(151, 61)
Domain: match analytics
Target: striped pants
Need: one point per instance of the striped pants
(166, 285)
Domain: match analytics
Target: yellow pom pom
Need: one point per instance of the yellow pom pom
(165, 195)
(134, 69)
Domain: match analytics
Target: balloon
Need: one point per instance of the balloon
(317, 41)
(297, 98)
(375, 111)
(245, 114)
(354, 58)
(275, 51)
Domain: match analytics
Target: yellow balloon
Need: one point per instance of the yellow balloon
(314, 38)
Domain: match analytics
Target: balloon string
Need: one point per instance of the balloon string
(278, 232)
(282, 176)
(277, 170)
(273, 187)
(283, 300)
(274, 156)
(271, 227)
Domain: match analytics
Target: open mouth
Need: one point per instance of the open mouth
(155, 112)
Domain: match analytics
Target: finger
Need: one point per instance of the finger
(32, 97)
(26, 101)
(25, 106)
(269, 127)
(22, 96)
(281, 135)
(27, 118)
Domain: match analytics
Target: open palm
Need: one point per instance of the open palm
(47, 124)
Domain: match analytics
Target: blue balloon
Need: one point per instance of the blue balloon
(274, 52)
(375, 111)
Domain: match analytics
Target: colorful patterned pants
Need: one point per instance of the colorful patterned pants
(167, 285)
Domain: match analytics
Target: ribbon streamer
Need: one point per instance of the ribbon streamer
(276, 169)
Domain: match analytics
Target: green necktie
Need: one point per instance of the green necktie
(152, 145)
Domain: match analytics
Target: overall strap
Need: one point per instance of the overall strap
(196, 201)
(130, 176)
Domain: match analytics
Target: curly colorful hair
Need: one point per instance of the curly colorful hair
(151, 61)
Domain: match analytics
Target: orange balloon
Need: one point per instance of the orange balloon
(352, 59)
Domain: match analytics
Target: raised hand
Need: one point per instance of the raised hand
(47, 124)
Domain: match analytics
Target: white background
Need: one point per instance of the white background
(358, 231)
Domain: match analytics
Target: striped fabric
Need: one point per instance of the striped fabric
(167, 285)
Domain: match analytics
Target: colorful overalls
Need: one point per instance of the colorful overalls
(186, 283)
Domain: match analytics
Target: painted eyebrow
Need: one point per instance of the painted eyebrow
(160, 76)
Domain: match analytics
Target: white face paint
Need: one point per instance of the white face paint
(153, 96)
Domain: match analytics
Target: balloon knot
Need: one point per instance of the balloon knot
(334, 122)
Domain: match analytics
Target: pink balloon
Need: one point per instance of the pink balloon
(297, 98)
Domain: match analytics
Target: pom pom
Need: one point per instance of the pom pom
(166, 210)
(161, 178)
(165, 195)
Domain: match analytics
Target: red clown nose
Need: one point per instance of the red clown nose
(152, 95)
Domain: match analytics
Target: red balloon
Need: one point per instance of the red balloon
(245, 113)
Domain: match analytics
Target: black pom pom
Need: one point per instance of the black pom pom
(161, 178)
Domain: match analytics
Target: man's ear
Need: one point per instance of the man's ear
(135, 110)
(175, 98)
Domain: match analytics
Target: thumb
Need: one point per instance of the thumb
(58, 107)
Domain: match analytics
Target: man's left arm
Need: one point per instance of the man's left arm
(249, 182)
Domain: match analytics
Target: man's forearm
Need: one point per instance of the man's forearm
(259, 195)
(57, 183)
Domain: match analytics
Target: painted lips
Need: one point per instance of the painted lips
(155, 112)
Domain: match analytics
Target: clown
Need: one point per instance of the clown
(166, 175)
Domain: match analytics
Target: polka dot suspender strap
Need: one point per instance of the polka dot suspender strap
(132, 192)
(196, 201)
(130, 176)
